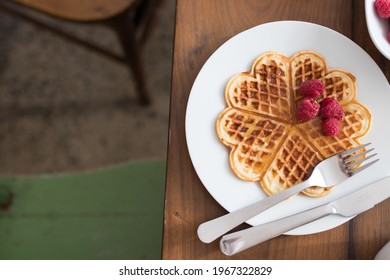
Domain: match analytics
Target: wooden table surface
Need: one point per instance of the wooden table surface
(201, 27)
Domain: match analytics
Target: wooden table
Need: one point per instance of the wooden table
(201, 27)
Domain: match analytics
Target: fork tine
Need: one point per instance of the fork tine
(350, 159)
(361, 168)
(350, 151)
(351, 166)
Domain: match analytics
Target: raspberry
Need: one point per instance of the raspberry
(307, 109)
(311, 88)
(330, 108)
(331, 127)
(382, 8)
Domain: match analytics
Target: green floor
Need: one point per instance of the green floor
(113, 213)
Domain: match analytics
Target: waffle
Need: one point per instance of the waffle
(266, 142)
(265, 90)
(253, 140)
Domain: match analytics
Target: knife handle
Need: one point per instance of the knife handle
(211, 230)
(236, 242)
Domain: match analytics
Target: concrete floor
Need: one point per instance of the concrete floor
(64, 108)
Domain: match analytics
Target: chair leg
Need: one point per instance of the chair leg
(145, 18)
(125, 29)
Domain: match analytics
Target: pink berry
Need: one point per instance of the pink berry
(330, 108)
(311, 88)
(307, 109)
(382, 8)
(331, 127)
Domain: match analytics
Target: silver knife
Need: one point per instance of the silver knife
(347, 206)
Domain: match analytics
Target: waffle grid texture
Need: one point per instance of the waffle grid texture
(266, 142)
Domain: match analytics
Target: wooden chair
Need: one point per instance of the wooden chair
(111, 213)
(130, 19)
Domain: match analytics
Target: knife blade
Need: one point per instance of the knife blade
(347, 206)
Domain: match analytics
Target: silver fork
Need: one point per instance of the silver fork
(327, 173)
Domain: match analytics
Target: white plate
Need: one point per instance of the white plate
(210, 157)
(384, 253)
(377, 28)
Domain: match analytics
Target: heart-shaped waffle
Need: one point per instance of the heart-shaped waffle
(259, 125)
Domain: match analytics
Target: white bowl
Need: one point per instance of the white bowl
(377, 28)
